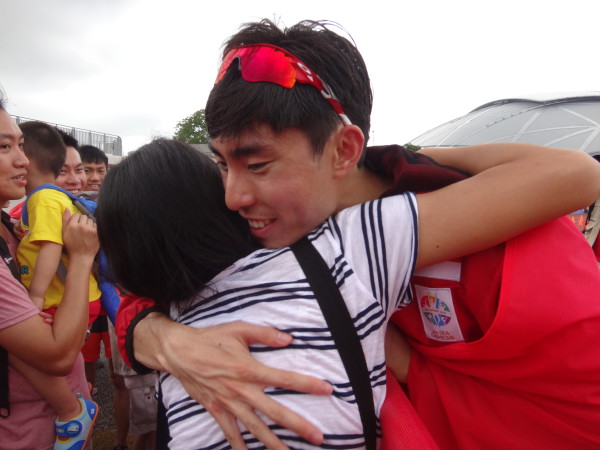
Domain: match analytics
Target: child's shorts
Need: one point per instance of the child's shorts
(98, 333)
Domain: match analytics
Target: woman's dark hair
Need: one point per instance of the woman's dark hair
(235, 105)
(163, 223)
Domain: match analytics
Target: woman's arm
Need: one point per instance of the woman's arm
(514, 188)
(53, 349)
(397, 352)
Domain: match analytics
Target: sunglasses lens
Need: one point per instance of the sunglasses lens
(261, 64)
(267, 64)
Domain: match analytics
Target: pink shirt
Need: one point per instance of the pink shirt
(31, 423)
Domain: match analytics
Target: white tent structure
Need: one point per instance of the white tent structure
(554, 120)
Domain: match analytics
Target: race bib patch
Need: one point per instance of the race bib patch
(437, 313)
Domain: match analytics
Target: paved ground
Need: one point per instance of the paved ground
(104, 429)
(104, 397)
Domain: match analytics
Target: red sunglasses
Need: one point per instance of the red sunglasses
(271, 64)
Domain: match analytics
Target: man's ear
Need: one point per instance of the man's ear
(349, 147)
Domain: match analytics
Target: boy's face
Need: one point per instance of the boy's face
(72, 176)
(13, 162)
(95, 174)
(275, 182)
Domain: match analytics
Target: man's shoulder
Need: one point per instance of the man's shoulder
(396, 205)
(372, 226)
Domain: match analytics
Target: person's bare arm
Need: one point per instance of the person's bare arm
(514, 188)
(217, 370)
(53, 349)
(45, 268)
(397, 352)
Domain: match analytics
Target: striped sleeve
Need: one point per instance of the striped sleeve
(380, 238)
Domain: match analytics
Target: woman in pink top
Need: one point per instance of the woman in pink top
(26, 420)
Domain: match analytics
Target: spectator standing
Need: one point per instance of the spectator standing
(27, 418)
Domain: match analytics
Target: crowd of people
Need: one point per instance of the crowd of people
(461, 319)
(55, 171)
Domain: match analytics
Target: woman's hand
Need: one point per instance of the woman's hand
(80, 236)
(47, 318)
(217, 370)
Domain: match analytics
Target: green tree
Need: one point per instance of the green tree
(192, 129)
(412, 147)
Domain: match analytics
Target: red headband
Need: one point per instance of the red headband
(268, 63)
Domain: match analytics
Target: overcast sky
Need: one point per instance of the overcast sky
(135, 68)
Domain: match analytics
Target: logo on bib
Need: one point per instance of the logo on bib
(435, 310)
(437, 314)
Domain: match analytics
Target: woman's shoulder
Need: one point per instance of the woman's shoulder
(265, 260)
(15, 305)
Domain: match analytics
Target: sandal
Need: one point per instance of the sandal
(74, 434)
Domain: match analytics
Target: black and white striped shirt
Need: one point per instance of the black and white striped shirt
(371, 250)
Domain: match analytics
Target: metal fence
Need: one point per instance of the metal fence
(108, 143)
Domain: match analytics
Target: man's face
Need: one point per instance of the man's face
(72, 176)
(274, 181)
(95, 174)
(13, 162)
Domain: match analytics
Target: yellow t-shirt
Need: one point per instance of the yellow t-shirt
(45, 209)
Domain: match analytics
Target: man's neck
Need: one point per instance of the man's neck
(362, 186)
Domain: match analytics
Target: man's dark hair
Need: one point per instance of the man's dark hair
(44, 145)
(235, 105)
(69, 140)
(165, 239)
(91, 154)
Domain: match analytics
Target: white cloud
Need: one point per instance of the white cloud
(135, 68)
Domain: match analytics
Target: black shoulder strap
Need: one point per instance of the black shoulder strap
(10, 262)
(5, 252)
(338, 319)
(163, 436)
(4, 403)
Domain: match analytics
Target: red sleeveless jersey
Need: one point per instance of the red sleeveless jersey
(522, 370)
